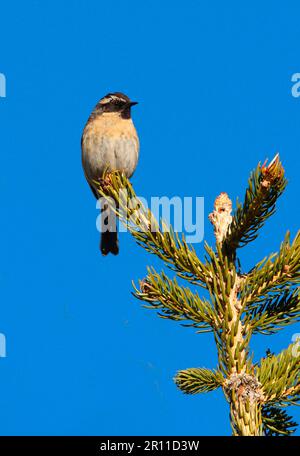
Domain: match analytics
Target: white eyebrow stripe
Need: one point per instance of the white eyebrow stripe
(106, 100)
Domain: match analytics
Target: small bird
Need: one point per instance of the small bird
(109, 142)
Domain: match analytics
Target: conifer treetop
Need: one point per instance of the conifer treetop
(223, 299)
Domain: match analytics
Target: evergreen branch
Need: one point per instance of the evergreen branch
(220, 278)
(265, 185)
(201, 380)
(262, 301)
(275, 313)
(161, 241)
(276, 422)
(279, 376)
(175, 302)
(274, 273)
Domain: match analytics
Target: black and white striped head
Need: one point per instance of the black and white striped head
(116, 102)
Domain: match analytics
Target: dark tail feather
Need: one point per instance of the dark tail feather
(109, 237)
(109, 243)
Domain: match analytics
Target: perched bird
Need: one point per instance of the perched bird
(109, 142)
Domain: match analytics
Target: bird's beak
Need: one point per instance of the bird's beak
(132, 103)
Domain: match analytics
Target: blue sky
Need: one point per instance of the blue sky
(214, 84)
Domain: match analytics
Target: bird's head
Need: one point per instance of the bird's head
(117, 103)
